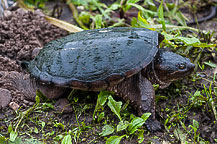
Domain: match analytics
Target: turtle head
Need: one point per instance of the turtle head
(169, 66)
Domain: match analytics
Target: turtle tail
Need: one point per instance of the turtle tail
(25, 65)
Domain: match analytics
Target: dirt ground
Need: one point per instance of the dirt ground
(21, 33)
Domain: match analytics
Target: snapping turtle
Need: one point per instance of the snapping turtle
(124, 60)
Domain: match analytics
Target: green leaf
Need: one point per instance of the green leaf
(42, 125)
(114, 6)
(215, 91)
(129, 4)
(195, 124)
(100, 116)
(188, 41)
(197, 93)
(161, 15)
(32, 141)
(194, 128)
(35, 130)
(136, 6)
(150, 5)
(80, 2)
(210, 64)
(141, 136)
(10, 128)
(98, 21)
(107, 130)
(84, 17)
(122, 125)
(134, 22)
(101, 100)
(46, 106)
(114, 139)
(132, 1)
(203, 45)
(168, 36)
(2, 139)
(180, 18)
(115, 107)
(13, 136)
(102, 97)
(75, 99)
(59, 125)
(180, 135)
(145, 116)
(17, 141)
(136, 123)
(143, 20)
(67, 139)
(35, 3)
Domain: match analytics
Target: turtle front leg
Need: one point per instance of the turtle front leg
(140, 92)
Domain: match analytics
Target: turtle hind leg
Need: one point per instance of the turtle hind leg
(140, 92)
(28, 86)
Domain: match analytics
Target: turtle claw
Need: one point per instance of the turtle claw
(153, 125)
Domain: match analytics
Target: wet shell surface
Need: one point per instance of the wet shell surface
(95, 59)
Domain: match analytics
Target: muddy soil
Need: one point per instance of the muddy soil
(21, 33)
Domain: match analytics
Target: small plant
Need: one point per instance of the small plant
(22, 117)
(124, 125)
(35, 3)
(194, 127)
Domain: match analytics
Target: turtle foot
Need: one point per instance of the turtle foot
(153, 125)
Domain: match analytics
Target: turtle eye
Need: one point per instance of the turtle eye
(182, 66)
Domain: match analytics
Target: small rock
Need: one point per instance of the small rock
(39, 12)
(63, 106)
(5, 97)
(25, 101)
(14, 106)
(35, 52)
(31, 103)
(22, 97)
(21, 11)
(7, 14)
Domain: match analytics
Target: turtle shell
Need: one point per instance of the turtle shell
(95, 59)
